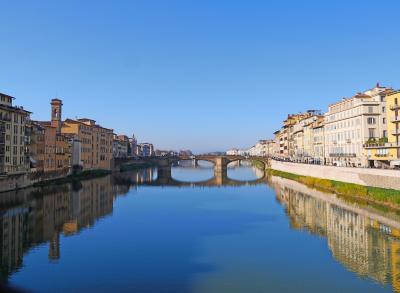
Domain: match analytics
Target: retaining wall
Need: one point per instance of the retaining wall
(362, 176)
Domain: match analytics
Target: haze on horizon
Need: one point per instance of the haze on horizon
(206, 75)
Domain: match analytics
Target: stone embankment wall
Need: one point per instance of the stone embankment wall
(362, 176)
(19, 181)
(12, 182)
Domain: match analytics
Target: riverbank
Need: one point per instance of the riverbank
(377, 195)
(90, 174)
(382, 178)
(84, 175)
(40, 179)
(135, 165)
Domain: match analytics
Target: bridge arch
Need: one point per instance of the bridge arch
(209, 160)
(250, 159)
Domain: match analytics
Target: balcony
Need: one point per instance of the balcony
(395, 119)
(395, 107)
(380, 145)
(343, 155)
(396, 132)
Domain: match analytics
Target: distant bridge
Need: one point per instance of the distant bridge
(220, 162)
(220, 178)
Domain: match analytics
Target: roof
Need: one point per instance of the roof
(8, 96)
(14, 109)
(80, 121)
(361, 96)
(393, 92)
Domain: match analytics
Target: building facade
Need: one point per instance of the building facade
(49, 148)
(146, 149)
(14, 137)
(318, 142)
(352, 122)
(96, 142)
(36, 146)
(120, 146)
(385, 152)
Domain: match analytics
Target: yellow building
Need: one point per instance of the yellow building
(49, 148)
(96, 142)
(386, 153)
(286, 135)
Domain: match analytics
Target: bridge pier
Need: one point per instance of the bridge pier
(164, 175)
(220, 169)
(220, 176)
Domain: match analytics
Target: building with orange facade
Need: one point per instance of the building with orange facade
(96, 142)
(49, 148)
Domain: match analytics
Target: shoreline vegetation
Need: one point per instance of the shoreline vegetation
(376, 195)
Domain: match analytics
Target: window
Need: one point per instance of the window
(384, 120)
(384, 133)
(371, 120)
(383, 109)
(371, 132)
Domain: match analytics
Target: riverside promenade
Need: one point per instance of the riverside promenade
(382, 178)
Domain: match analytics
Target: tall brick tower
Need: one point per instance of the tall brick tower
(56, 114)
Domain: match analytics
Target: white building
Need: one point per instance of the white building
(232, 152)
(352, 122)
(120, 146)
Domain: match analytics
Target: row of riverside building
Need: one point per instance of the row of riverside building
(361, 131)
(58, 146)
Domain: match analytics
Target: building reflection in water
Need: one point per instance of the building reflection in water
(33, 217)
(363, 241)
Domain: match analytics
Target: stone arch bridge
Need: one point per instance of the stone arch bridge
(164, 164)
(220, 178)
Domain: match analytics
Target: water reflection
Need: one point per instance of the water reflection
(32, 217)
(193, 171)
(363, 239)
(202, 174)
(365, 242)
(244, 171)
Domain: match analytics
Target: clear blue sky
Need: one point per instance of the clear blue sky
(205, 75)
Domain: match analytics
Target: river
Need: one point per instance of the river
(192, 232)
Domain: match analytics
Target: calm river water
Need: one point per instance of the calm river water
(190, 232)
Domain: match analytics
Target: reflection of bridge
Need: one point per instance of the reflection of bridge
(219, 179)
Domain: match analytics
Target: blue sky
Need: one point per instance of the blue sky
(205, 75)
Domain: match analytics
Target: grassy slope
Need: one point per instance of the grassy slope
(390, 197)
